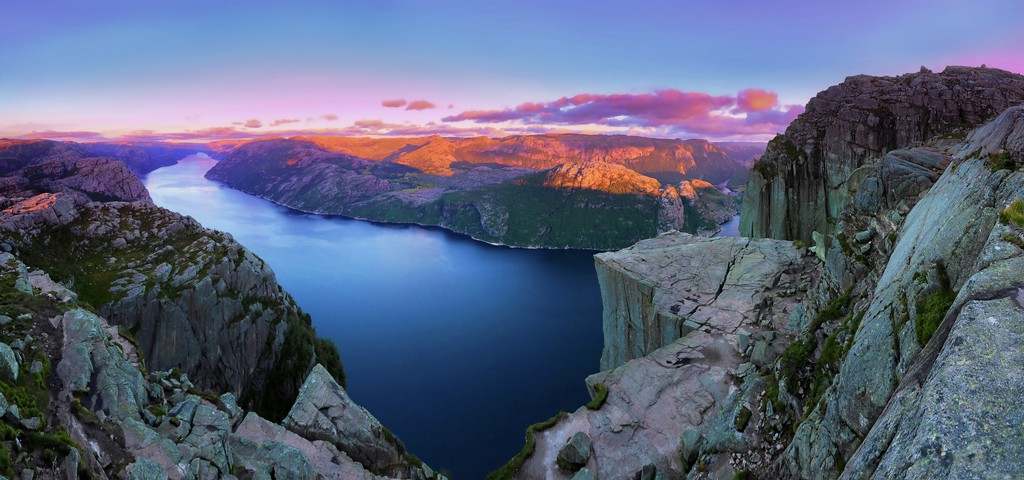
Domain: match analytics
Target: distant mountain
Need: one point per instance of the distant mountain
(667, 160)
(508, 191)
(141, 158)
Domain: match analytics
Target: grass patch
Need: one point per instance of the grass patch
(742, 419)
(1014, 239)
(1013, 214)
(932, 308)
(1001, 161)
(511, 468)
(598, 400)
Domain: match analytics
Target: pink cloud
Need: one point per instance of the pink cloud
(398, 102)
(81, 136)
(252, 123)
(330, 117)
(751, 112)
(420, 105)
(283, 121)
(756, 100)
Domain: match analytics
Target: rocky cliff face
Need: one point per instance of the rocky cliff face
(661, 289)
(576, 205)
(84, 406)
(800, 184)
(688, 323)
(897, 362)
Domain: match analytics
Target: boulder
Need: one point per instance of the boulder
(323, 411)
(576, 452)
(8, 363)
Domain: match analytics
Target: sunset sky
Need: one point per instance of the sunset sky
(201, 70)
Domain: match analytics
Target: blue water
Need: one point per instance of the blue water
(730, 228)
(455, 345)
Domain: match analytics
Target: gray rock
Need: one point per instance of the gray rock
(8, 363)
(762, 354)
(25, 317)
(3, 405)
(13, 414)
(800, 184)
(575, 454)
(36, 367)
(92, 363)
(145, 469)
(27, 474)
(662, 288)
(865, 236)
(31, 423)
(323, 411)
(228, 404)
(583, 474)
(5, 320)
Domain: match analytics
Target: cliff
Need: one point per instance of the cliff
(119, 287)
(899, 360)
(575, 205)
(799, 185)
(76, 401)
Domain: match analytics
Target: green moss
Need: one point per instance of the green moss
(836, 308)
(742, 419)
(6, 466)
(1014, 239)
(1013, 214)
(933, 307)
(1001, 161)
(794, 359)
(510, 469)
(598, 400)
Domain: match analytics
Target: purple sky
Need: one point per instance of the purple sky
(736, 69)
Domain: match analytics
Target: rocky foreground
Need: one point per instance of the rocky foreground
(553, 191)
(134, 343)
(889, 348)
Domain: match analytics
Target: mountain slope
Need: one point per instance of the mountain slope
(590, 204)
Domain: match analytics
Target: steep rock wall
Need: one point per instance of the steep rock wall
(799, 185)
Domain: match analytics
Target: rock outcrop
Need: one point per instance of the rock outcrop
(689, 322)
(579, 204)
(661, 289)
(900, 361)
(85, 406)
(800, 185)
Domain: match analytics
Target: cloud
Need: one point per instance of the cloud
(80, 136)
(756, 100)
(420, 105)
(398, 102)
(663, 112)
(330, 117)
(252, 123)
(283, 121)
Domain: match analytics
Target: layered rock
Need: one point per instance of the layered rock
(800, 185)
(902, 392)
(688, 322)
(661, 289)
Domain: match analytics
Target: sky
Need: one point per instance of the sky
(188, 70)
